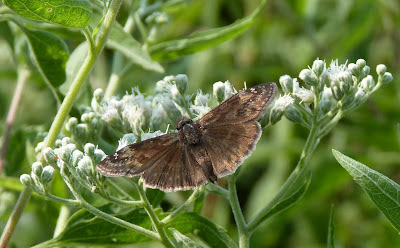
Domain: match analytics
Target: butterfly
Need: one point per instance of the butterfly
(200, 152)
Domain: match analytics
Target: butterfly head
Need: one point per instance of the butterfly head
(189, 131)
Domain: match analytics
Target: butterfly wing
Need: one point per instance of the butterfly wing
(244, 106)
(132, 160)
(175, 170)
(228, 146)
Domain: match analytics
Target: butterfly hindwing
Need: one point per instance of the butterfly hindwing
(175, 170)
(244, 106)
(133, 159)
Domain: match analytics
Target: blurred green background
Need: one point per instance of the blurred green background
(287, 37)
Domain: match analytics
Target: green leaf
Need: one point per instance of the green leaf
(83, 228)
(202, 40)
(124, 43)
(383, 191)
(184, 241)
(6, 34)
(331, 229)
(50, 54)
(209, 232)
(73, 65)
(68, 13)
(284, 199)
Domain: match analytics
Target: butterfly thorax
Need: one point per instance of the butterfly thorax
(189, 132)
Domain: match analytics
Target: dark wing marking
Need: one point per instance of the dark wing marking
(175, 170)
(229, 146)
(244, 106)
(133, 159)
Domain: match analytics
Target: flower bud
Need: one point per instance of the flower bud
(345, 81)
(181, 83)
(361, 63)
(318, 67)
(308, 77)
(354, 69)
(286, 83)
(325, 79)
(368, 83)
(98, 95)
(170, 109)
(47, 174)
(360, 96)
(99, 155)
(293, 114)
(26, 180)
(381, 69)
(71, 124)
(89, 149)
(65, 152)
(85, 118)
(39, 147)
(387, 78)
(65, 141)
(37, 168)
(337, 93)
(222, 91)
(84, 167)
(280, 106)
(327, 100)
(365, 71)
(50, 156)
(76, 157)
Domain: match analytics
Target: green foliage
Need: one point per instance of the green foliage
(382, 190)
(64, 50)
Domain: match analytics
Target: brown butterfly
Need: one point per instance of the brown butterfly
(200, 151)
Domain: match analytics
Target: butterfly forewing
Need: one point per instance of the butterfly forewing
(228, 147)
(133, 159)
(244, 106)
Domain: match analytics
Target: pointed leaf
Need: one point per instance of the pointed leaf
(208, 231)
(383, 191)
(124, 43)
(68, 13)
(50, 54)
(184, 241)
(83, 228)
(202, 40)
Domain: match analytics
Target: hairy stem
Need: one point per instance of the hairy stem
(15, 215)
(157, 225)
(23, 76)
(243, 233)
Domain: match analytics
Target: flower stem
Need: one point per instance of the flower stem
(244, 235)
(15, 215)
(23, 76)
(154, 219)
(311, 143)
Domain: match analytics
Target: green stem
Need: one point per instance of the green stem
(105, 216)
(244, 235)
(157, 225)
(311, 143)
(15, 215)
(61, 220)
(182, 207)
(64, 110)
